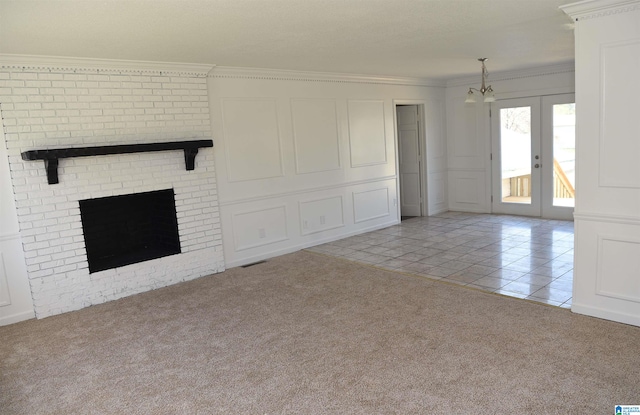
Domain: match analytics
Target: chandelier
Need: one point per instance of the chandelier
(486, 91)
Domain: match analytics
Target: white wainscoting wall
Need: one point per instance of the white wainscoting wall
(607, 214)
(15, 295)
(305, 158)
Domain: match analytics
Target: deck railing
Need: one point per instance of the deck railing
(563, 189)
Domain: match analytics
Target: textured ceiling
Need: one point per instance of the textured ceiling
(436, 39)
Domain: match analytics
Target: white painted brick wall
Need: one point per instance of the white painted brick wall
(47, 108)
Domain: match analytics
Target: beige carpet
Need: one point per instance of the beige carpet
(309, 334)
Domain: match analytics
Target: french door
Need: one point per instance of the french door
(533, 156)
(515, 127)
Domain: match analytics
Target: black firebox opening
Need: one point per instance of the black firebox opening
(123, 230)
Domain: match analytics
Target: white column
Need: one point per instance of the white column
(607, 214)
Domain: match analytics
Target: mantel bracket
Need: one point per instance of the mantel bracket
(51, 166)
(52, 156)
(190, 157)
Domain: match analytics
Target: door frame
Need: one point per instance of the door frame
(422, 145)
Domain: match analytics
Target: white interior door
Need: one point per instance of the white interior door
(409, 159)
(516, 157)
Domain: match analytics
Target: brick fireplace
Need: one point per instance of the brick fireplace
(54, 106)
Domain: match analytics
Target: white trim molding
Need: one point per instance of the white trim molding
(9, 236)
(28, 63)
(303, 191)
(286, 75)
(607, 218)
(593, 9)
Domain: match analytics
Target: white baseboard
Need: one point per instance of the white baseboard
(468, 210)
(16, 318)
(297, 247)
(438, 211)
(606, 314)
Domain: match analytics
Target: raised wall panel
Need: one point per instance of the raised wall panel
(315, 134)
(437, 189)
(321, 214)
(466, 190)
(607, 260)
(618, 268)
(436, 139)
(259, 227)
(370, 204)
(367, 138)
(466, 137)
(252, 139)
(620, 129)
(15, 292)
(5, 296)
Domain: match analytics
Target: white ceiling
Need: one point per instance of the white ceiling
(436, 39)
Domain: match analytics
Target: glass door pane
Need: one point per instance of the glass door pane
(558, 156)
(515, 155)
(564, 154)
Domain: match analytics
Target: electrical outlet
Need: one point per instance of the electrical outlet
(305, 225)
(262, 233)
(322, 220)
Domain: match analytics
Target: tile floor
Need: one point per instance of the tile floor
(511, 255)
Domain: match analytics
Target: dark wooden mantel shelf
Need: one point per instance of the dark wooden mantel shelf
(52, 156)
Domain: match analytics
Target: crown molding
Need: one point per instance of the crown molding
(64, 64)
(287, 75)
(592, 9)
(567, 67)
